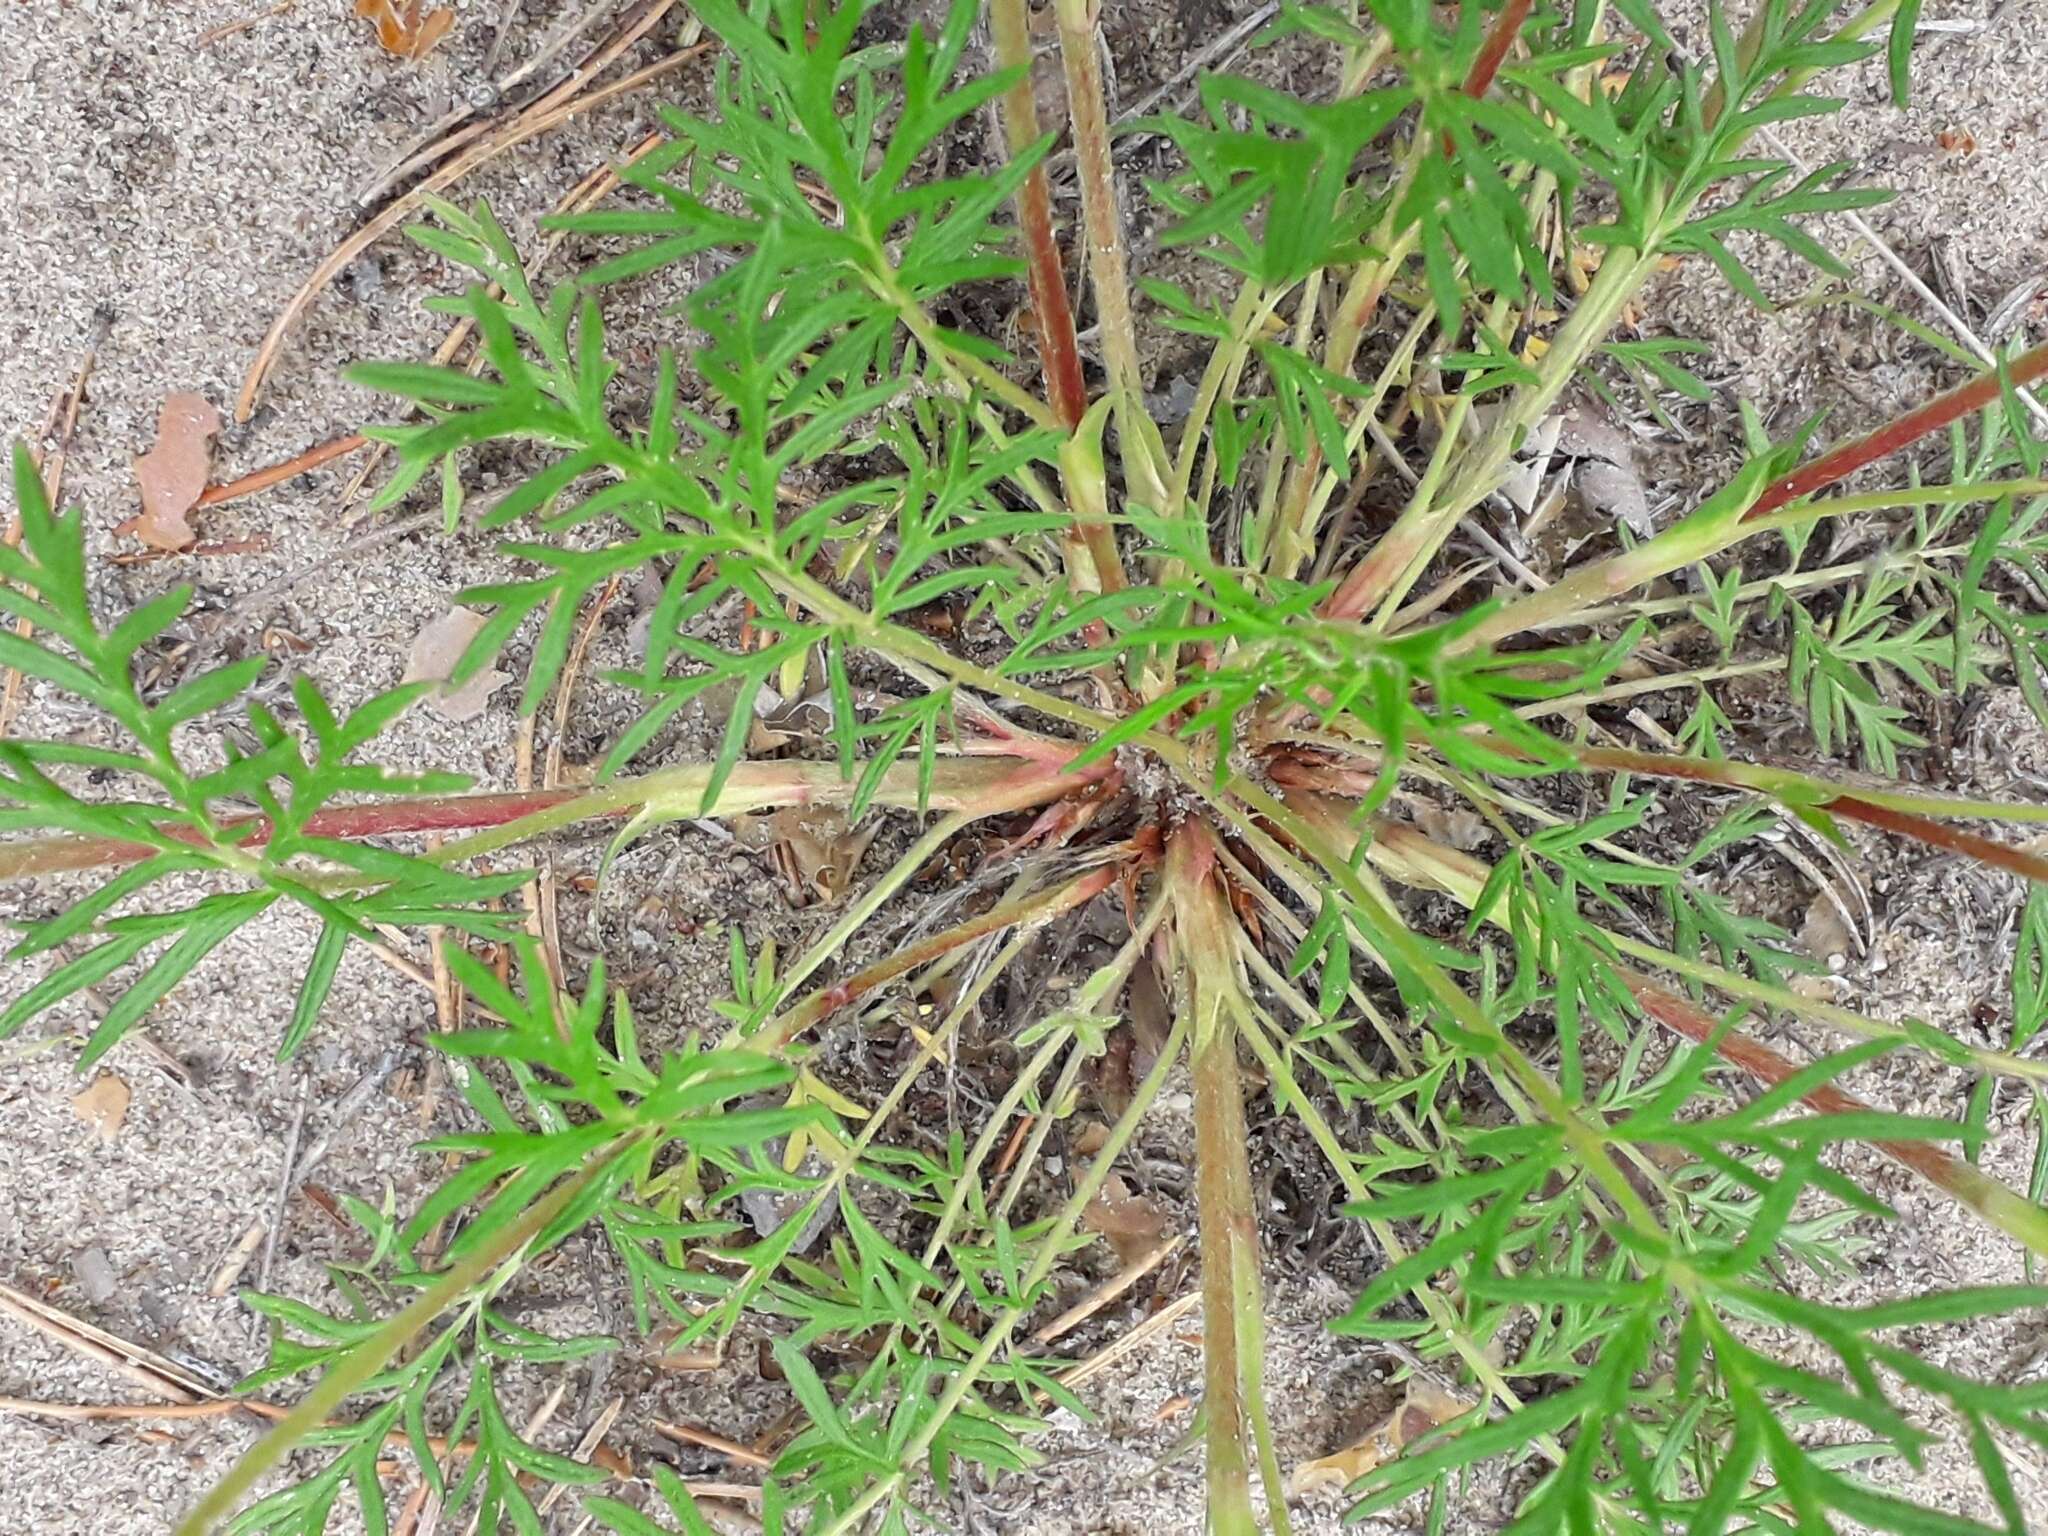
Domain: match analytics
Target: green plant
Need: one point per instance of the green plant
(1588, 1181)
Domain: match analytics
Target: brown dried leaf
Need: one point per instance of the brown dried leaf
(103, 1106)
(1421, 1410)
(1826, 934)
(173, 473)
(436, 652)
(401, 30)
(1132, 1224)
(1458, 826)
(1090, 1137)
(823, 850)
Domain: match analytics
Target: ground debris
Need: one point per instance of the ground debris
(437, 651)
(402, 29)
(173, 474)
(103, 1106)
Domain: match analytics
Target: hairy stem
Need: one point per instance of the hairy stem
(1108, 272)
(1053, 316)
(978, 786)
(1232, 1306)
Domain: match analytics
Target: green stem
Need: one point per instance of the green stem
(1413, 859)
(1324, 843)
(1699, 537)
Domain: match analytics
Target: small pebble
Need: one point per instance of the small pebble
(95, 1274)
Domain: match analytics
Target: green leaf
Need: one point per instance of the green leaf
(314, 988)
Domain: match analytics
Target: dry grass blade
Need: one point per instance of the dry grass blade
(145, 1367)
(691, 1434)
(1102, 1295)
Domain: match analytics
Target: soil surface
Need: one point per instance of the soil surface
(167, 189)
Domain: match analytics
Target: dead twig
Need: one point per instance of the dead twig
(264, 479)
(259, 545)
(352, 1103)
(237, 1259)
(542, 905)
(145, 1367)
(690, 1434)
(1110, 1289)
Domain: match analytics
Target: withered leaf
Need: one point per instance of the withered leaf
(1421, 1410)
(1132, 1224)
(822, 849)
(173, 473)
(402, 30)
(103, 1106)
(436, 652)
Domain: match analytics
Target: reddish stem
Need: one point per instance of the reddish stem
(1301, 773)
(1923, 829)
(1937, 413)
(1059, 349)
(1978, 1191)
(1506, 26)
(984, 785)
(449, 813)
(1479, 79)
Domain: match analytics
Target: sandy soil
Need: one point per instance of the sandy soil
(166, 195)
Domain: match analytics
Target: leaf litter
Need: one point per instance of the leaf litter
(173, 474)
(401, 28)
(437, 651)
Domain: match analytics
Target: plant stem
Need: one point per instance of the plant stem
(1397, 560)
(1413, 859)
(1845, 1020)
(978, 786)
(1688, 542)
(1486, 64)
(1050, 1248)
(1109, 278)
(1325, 835)
(1232, 1307)
(2000, 1207)
(1039, 907)
(1839, 463)
(1053, 316)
